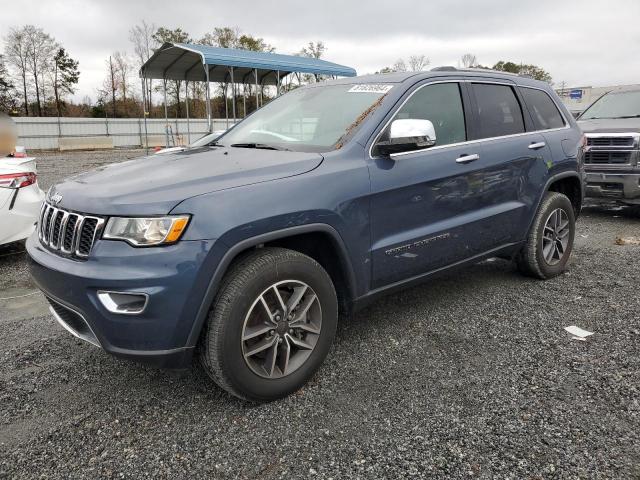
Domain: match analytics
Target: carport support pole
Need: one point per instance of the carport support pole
(144, 115)
(226, 104)
(186, 103)
(233, 96)
(244, 100)
(255, 71)
(206, 70)
(166, 114)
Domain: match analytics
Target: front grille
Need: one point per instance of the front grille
(66, 232)
(607, 158)
(610, 141)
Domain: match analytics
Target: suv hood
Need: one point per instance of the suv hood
(610, 125)
(154, 185)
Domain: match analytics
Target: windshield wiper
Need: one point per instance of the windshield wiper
(262, 146)
(610, 118)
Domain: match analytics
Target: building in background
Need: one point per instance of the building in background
(577, 99)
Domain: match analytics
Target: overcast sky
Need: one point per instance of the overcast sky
(580, 42)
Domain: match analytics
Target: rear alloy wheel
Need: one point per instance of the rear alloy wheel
(550, 241)
(271, 325)
(555, 236)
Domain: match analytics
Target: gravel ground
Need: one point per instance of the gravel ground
(470, 375)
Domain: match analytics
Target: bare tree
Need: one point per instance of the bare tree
(109, 87)
(469, 60)
(41, 48)
(16, 47)
(314, 50)
(399, 66)
(225, 37)
(141, 36)
(418, 63)
(122, 70)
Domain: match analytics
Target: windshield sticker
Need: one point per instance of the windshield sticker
(370, 88)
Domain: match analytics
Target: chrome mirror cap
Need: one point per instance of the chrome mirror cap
(408, 134)
(416, 131)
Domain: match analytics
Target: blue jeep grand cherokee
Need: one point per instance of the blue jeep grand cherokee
(246, 250)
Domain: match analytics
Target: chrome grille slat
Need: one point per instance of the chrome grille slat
(69, 233)
(611, 150)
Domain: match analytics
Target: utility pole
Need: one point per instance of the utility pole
(113, 86)
(563, 84)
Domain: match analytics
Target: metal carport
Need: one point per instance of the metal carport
(203, 63)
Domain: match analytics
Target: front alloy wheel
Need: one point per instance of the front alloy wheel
(271, 325)
(281, 329)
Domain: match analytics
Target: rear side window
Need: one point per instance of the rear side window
(499, 111)
(442, 104)
(544, 112)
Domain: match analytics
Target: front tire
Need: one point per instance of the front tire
(271, 325)
(550, 241)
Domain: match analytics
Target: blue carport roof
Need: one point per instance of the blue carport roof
(183, 61)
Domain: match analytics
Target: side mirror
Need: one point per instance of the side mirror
(408, 134)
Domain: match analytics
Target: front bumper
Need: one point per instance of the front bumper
(624, 187)
(174, 278)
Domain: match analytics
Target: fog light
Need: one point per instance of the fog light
(123, 302)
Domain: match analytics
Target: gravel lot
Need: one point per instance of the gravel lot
(470, 375)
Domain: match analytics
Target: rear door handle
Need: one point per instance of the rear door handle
(468, 158)
(537, 145)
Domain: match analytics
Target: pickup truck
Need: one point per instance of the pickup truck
(612, 153)
(246, 251)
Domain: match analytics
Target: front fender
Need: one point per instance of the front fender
(225, 259)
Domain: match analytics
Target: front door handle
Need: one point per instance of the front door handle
(537, 145)
(468, 158)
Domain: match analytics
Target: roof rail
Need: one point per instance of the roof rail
(449, 68)
(490, 70)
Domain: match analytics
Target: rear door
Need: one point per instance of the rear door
(563, 141)
(437, 206)
(517, 158)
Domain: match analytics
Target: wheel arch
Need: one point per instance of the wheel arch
(568, 184)
(307, 239)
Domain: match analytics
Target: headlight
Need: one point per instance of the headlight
(146, 231)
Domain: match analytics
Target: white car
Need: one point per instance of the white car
(20, 198)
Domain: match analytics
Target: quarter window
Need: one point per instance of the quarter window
(544, 112)
(499, 111)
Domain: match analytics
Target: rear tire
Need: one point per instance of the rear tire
(267, 284)
(550, 240)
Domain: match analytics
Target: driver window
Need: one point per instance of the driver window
(442, 104)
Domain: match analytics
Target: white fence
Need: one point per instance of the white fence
(42, 133)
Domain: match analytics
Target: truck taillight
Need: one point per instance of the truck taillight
(17, 180)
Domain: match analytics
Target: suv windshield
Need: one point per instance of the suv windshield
(614, 105)
(309, 119)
